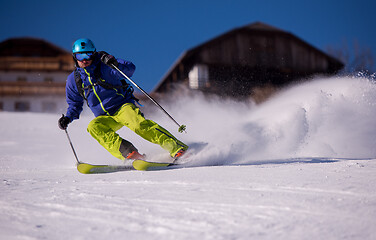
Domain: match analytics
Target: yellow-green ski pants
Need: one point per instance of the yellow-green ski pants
(103, 129)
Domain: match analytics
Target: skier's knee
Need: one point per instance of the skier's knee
(94, 126)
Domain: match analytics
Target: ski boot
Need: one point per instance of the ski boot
(179, 154)
(135, 155)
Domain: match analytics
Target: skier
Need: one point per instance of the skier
(112, 102)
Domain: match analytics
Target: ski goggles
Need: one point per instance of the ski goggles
(84, 56)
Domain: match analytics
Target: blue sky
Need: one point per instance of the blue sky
(153, 34)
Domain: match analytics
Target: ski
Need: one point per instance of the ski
(86, 168)
(142, 165)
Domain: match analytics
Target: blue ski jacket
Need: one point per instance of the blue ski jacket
(101, 101)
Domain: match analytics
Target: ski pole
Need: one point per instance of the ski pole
(181, 127)
(70, 142)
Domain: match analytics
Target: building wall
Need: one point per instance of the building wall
(33, 73)
(40, 91)
(40, 76)
(49, 104)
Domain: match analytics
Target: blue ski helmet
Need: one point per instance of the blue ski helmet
(83, 45)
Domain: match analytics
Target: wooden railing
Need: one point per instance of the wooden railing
(61, 63)
(31, 89)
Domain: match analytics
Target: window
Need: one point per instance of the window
(21, 79)
(48, 79)
(22, 106)
(199, 77)
(49, 107)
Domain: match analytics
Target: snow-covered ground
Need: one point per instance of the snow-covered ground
(300, 166)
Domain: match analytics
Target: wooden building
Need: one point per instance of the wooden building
(32, 75)
(245, 59)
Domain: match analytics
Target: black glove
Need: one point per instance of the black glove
(63, 122)
(108, 59)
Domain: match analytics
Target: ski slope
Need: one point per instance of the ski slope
(300, 166)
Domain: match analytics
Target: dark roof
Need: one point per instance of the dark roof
(29, 47)
(254, 27)
(262, 26)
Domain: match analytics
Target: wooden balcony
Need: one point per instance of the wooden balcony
(31, 89)
(61, 63)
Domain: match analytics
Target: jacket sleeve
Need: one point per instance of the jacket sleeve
(127, 67)
(74, 99)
